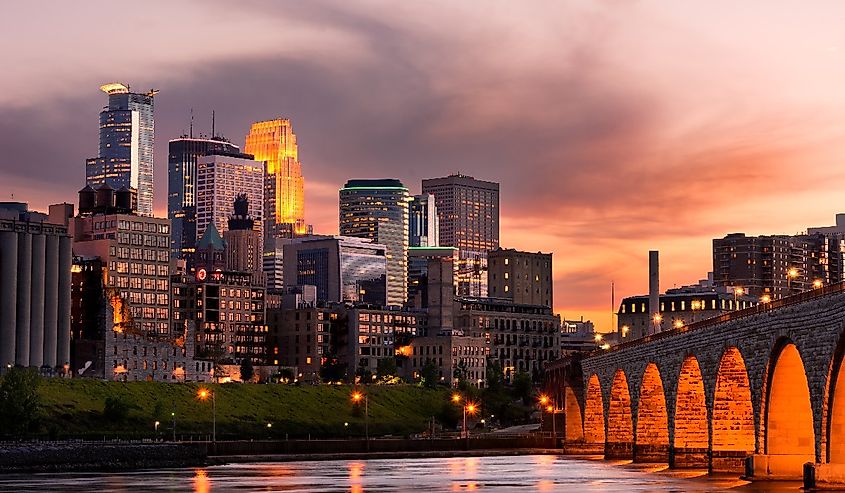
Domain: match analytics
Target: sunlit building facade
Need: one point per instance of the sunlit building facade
(378, 210)
(274, 143)
(221, 178)
(468, 212)
(423, 225)
(182, 188)
(125, 157)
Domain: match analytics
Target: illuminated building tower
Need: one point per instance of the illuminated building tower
(468, 211)
(378, 209)
(221, 177)
(182, 188)
(125, 156)
(274, 142)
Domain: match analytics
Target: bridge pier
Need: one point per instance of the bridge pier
(651, 453)
(824, 476)
(689, 458)
(777, 466)
(728, 460)
(619, 450)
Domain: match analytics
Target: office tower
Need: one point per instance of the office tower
(274, 143)
(182, 188)
(273, 262)
(135, 250)
(522, 277)
(423, 225)
(421, 262)
(378, 210)
(220, 178)
(342, 268)
(125, 156)
(243, 243)
(777, 265)
(35, 279)
(468, 211)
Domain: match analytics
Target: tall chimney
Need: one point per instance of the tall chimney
(653, 291)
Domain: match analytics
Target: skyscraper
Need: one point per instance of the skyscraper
(423, 226)
(274, 142)
(378, 209)
(243, 242)
(182, 188)
(468, 211)
(125, 157)
(221, 178)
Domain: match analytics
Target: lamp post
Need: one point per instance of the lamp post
(357, 397)
(817, 283)
(791, 274)
(737, 292)
(658, 319)
(204, 394)
(173, 417)
(553, 412)
(468, 408)
(544, 400)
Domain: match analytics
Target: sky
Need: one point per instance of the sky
(614, 127)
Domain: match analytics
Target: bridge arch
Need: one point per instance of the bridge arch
(835, 399)
(652, 434)
(620, 427)
(574, 431)
(789, 438)
(692, 433)
(732, 419)
(594, 413)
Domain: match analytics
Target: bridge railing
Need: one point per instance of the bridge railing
(731, 316)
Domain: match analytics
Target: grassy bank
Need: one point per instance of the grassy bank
(76, 408)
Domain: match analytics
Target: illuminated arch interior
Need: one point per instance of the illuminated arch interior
(789, 418)
(652, 419)
(572, 410)
(733, 414)
(836, 440)
(594, 412)
(619, 425)
(690, 407)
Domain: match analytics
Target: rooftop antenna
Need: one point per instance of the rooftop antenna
(213, 134)
(191, 133)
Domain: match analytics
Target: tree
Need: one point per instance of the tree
(386, 369)
(116, 408)
(495, 381)
(20, 404)
(332, 370)
(429, 375)
(247, 371)
(363, 372)
(523, 388)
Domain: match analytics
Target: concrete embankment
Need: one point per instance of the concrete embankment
(98, 456)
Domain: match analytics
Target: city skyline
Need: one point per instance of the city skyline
(669, 160)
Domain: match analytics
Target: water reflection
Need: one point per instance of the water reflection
(544, 473)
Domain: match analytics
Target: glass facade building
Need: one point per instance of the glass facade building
(182, 188)
(378, 210)
(423, 225)
(343, 269)
(125, 157)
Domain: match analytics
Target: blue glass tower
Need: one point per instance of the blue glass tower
(125, 157)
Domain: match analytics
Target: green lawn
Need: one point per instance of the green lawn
(74, 408)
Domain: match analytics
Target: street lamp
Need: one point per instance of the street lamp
(356, 398)
(551, 410)
(625, 330)
(658, 319)
(765, 298)
(791, 274)
(468, 408)
(737, 292)
(203, 394)
(817, 283)
(679, 323)
(156, 428)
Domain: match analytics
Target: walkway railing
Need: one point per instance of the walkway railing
(761, 308)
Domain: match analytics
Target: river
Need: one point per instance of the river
(544, 473)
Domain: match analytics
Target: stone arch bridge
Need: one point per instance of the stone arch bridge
(759, 390)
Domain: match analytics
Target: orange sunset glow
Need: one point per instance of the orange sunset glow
(614, 128)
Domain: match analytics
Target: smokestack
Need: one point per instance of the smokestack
(654, 290)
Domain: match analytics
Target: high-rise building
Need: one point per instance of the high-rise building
(274, 143)
(522, 277)
(378, 210)
(135, 251)
(35, 279)
(777, 265)
(342, 268)
(468, 212)
(243, 243)
(423, 225)
(125, 156)
(182, 188)
(221, 178)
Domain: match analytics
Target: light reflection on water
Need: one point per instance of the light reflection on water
(543, 473)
